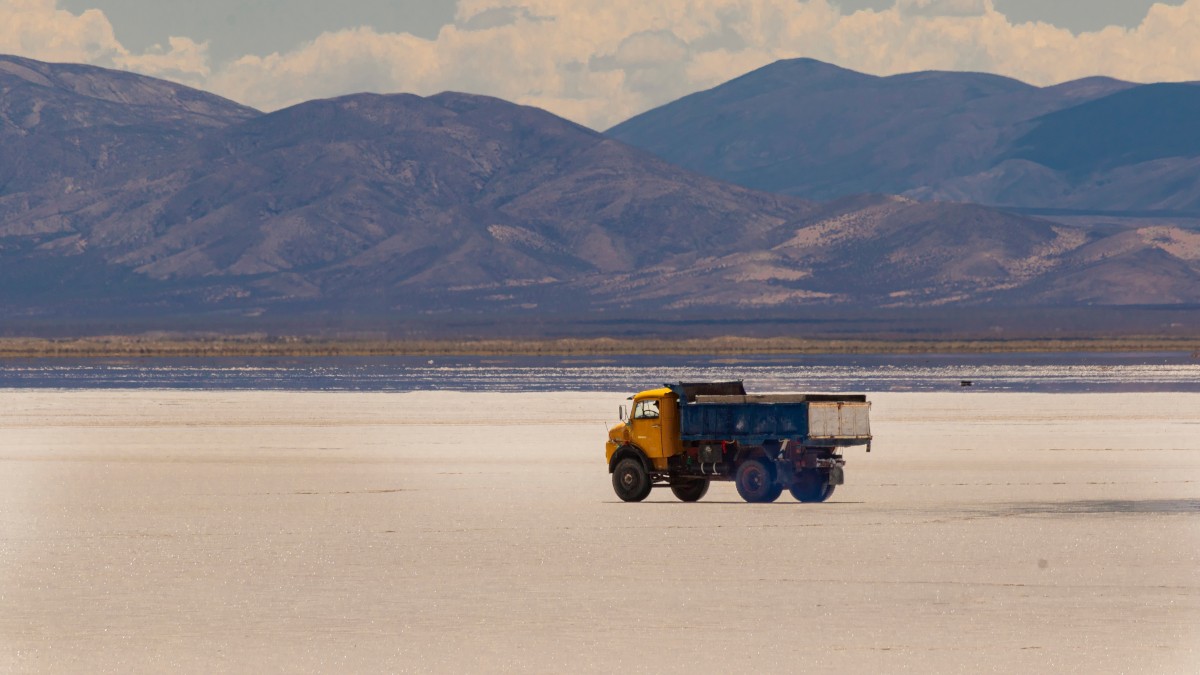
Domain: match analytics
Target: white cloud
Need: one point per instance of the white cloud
(38, 29)
(601, 61)
(183, 60)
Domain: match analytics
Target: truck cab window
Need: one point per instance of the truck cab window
(646, 410)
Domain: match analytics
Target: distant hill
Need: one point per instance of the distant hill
(131, 201)
(806, 128)
(1139, 125)
(79, 147)
(381, 202)
(399, 200)
(85, 126)
(892, 252)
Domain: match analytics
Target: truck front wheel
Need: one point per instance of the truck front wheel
(690, 490)
(630, 480)
(756, 484)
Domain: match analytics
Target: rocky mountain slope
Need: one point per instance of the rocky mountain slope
(894, 252)
(125, 198)
(381, 201)
(80, 127)
(814, 130)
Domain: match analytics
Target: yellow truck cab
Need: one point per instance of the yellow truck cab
(652, 426)
(685, 436)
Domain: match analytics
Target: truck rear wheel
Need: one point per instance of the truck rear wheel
(630, 480)
(755, 483)
(690, 490)
(811, 487)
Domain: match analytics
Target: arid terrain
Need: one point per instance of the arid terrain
(129, 203)
(156, 531)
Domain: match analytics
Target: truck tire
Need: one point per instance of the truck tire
(811, 487)
(630, 480)
(690, 490)
(756, 484)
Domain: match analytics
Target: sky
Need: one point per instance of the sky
(596, 62)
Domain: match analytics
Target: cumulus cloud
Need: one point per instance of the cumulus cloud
(38, 29)
(601, 61)
(182, 59)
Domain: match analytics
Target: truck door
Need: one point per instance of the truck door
(646, 424)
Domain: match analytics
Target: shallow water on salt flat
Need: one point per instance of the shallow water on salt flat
(1147, 372)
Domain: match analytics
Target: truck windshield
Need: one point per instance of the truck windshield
(646, 410)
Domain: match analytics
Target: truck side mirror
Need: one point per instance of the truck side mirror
(621, 413)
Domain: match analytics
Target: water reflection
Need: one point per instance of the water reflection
(1010, 372)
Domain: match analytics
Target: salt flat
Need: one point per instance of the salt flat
(173, 531)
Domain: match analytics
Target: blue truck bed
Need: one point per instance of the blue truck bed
(810, 419)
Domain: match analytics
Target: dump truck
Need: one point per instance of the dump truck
(684, 436)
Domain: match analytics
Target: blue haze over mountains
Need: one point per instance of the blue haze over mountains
(800, 197)
(814, 130)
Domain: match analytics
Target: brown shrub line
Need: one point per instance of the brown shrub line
(133, 346)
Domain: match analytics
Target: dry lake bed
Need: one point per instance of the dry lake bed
(169, 531)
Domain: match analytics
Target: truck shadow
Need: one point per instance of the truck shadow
(737, 502)
(1106, 506)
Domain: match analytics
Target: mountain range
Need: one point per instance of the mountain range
(135, 201)
(817, 131)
